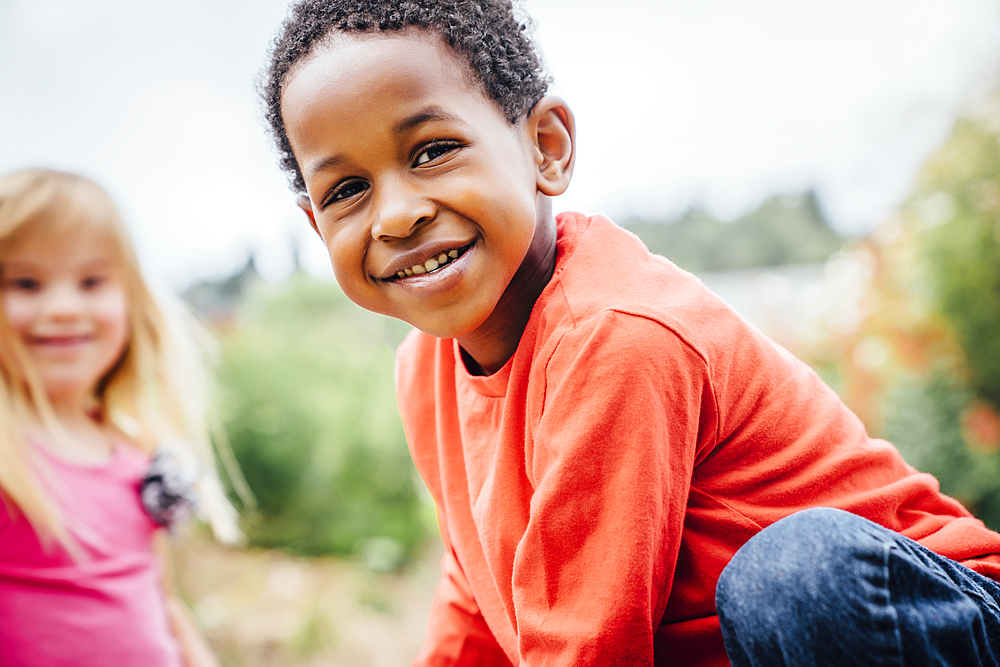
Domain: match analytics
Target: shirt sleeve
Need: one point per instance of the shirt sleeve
(458, 635)
(611, 462)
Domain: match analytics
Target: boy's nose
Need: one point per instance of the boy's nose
(399, 209)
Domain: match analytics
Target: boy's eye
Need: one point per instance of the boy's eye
(346, 190)
(433, 151)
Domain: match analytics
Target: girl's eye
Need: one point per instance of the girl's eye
(346, 190)
(91, 282)
(433, 151)
(23, 284)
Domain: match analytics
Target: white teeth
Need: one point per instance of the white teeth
(432, 264)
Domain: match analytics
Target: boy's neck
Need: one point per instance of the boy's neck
(491, 345)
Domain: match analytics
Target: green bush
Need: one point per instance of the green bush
(309, 407)
(959, 206)
(932, 305)
(924, 421)
(954, 217)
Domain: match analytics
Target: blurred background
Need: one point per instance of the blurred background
(831, 169)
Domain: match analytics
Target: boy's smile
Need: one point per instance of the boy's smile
(426, 197)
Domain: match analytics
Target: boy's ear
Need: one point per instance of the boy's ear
(553, 130)
(306, 205)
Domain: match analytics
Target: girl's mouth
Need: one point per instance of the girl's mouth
(58, 341)
(434, 263)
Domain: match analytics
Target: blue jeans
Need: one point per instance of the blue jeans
(825, 587)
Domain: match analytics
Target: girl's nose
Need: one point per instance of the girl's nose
(399, 209)
(61, 301)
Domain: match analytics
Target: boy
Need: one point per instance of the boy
(600, 433)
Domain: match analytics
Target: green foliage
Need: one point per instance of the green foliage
(311, 413)
(925, 423)
(954, 219)
(783, 230)
(932, 301)
(959, 206)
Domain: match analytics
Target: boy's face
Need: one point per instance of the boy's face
(424, 194)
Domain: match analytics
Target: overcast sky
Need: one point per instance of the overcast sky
(678, 102)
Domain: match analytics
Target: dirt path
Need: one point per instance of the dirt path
(267, 609)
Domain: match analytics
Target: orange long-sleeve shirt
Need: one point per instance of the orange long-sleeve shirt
(591, 491)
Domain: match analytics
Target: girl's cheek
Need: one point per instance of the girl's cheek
(113, 306)
(16, 311)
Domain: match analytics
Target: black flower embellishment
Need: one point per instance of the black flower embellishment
(167, 491)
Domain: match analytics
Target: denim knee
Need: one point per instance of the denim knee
(826, 587)
(796, 591)
(800, 567)
(794, 549)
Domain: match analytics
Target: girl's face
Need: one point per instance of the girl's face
(66, 299)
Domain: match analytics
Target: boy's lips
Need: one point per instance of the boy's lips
(424, 260)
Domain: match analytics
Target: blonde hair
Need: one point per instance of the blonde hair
(158, 392)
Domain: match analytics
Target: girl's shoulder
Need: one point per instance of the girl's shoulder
(125, 461)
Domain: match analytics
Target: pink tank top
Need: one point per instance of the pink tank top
(107, 608)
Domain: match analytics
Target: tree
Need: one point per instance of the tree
(922, 366)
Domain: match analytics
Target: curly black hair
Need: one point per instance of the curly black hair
(485, 34)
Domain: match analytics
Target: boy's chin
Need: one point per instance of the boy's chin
(441, 331)
(445, 327)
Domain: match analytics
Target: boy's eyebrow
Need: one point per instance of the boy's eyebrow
(408, 124)
(424, 116)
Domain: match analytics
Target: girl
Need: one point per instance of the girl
(94, 376)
